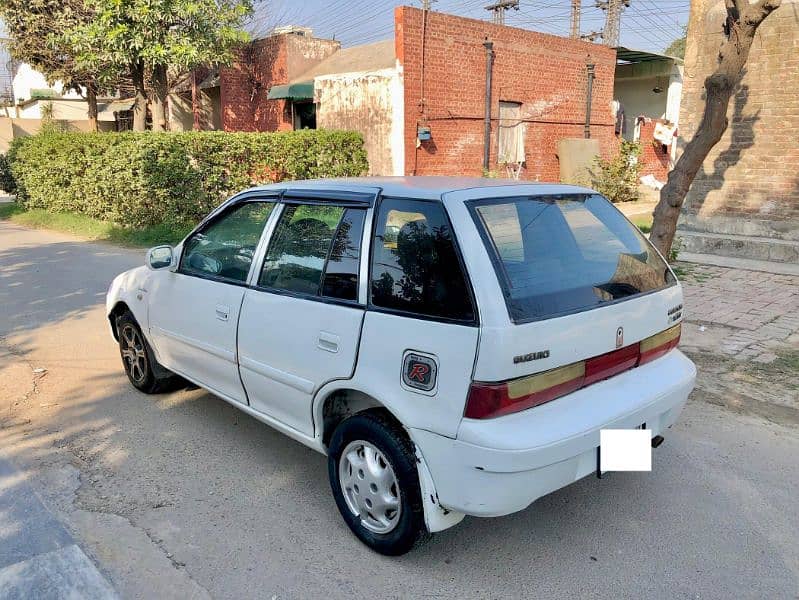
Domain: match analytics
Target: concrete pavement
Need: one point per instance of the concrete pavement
(38, 556)
(182, 496)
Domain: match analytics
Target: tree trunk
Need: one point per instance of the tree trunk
(159, 97)
(91, 100)
(140, 102)
(743, 20)
(195, 102)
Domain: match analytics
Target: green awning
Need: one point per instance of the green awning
(292, 91)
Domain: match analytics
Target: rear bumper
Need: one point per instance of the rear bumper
(499, 466)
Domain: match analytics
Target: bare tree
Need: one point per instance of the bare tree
(742, 22)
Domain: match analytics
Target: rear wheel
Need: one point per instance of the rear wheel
(372, 468)
(143, 371)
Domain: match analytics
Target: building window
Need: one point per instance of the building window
(303, 115)
(511, 134)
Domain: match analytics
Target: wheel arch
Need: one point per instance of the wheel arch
(341, 403)
(120, 308)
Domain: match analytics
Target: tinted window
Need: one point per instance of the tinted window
(310, 241)
(415, 267)
(225, 247)
(341, 273)
(562, 254)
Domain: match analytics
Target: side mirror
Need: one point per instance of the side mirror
(160, 257)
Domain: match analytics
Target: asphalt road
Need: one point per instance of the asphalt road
(182, 496)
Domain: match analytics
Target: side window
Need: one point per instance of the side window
(315, 250)
(344, 261)
(415, 267)
(225, 247)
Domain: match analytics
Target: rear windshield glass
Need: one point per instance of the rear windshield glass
(562, 254)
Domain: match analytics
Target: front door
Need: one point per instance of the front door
(194, 312)
(301, 324)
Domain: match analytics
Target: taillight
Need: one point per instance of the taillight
(488, 400)
(660, 343)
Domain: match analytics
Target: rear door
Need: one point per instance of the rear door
(300, 324)
(420, 333)
(572, 280)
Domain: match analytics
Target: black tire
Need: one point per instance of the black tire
(147, 375)
(378, 428)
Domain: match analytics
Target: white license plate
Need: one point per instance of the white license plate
(625, 450)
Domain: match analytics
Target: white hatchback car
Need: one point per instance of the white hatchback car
(453, 345)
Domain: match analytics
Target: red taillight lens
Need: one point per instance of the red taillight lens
(610, 364)
(488, 400)
(657, 345)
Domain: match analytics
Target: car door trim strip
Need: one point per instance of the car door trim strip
(298, 383)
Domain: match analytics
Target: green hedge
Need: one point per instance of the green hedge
(141, 179)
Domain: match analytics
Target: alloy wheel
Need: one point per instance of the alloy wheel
(133, 353)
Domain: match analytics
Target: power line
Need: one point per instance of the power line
(649, 24)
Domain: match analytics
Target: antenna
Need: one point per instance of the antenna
(499, 9)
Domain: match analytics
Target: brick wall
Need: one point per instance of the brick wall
(245, 84)
(274, 60)
(750, 181)
(546, 73)
(654, 159)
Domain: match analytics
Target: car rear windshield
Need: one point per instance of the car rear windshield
(556, 255)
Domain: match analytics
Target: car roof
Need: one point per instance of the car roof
(431, 187)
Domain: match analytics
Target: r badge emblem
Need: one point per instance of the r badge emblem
(419, 372)
(619, 337)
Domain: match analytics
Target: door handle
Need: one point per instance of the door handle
(327, 341)
(222, 312)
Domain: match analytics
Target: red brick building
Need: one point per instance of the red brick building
(545, 75)
(433, 86)
(274, 60)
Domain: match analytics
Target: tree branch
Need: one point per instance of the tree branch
(760, 10)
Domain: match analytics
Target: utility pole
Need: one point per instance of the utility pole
(489, 46)
(576, 6)
(499, 8)
(610, 35)
(589, 94)
(426, 4)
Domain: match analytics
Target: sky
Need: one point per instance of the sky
(645, 25)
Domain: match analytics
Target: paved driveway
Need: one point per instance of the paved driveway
(181, 496)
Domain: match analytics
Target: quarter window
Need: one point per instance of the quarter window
(315, 250)
(415, 266)
(225, 247)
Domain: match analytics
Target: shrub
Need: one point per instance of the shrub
(141, 179)
(6, 178)
(617, 179)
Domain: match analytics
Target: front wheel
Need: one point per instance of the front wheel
(372, 469)
(143, 371)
